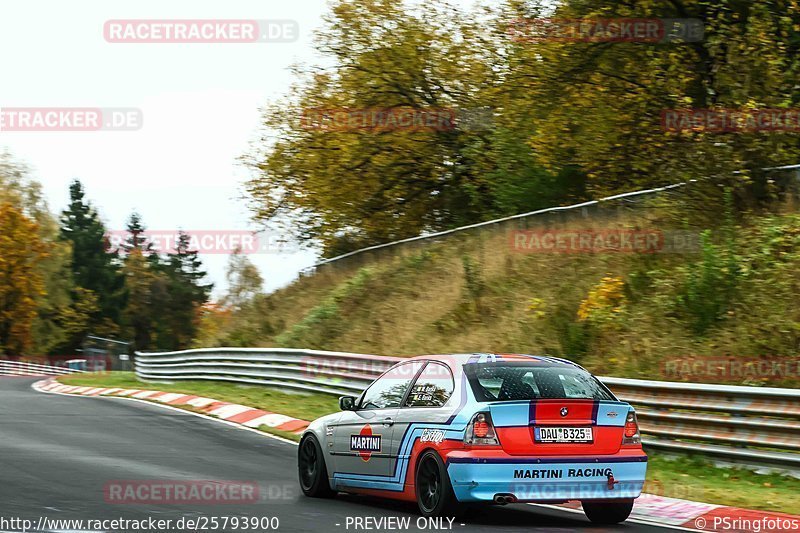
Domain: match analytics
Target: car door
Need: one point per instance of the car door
(363, 439)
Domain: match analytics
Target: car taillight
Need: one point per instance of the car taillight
(632, 435)
(481, 431)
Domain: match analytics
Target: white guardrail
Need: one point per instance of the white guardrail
(750, 425)
(21, 368)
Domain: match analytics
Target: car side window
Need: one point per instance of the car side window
(388, 391)
(432, 388)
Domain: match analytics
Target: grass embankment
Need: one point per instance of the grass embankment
(618, 314)
(685, 478)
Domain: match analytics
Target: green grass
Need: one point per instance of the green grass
(688, 478)
(694, 478)
(306, 406)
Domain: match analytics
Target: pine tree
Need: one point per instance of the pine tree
(94, 267)
(186, 292)
(138, 316)
(165, 294)
(136, 238)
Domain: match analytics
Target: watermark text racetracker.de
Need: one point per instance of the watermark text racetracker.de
(70, 119)
(594, 30)
(603, 240)
(181, 492)
(571, 491)
(203, 241)
(705, 369)
(146, 525)
(731, 120)
(386, 119)
(206, 31)
(196, 492)
(339, 366)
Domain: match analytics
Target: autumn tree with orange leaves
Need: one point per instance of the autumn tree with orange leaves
(21, 283)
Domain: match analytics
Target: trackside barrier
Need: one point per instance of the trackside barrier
(308, 370)
(19, 368)
(757, 426)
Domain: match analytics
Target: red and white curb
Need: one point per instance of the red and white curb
(696, 516)
(231, 412)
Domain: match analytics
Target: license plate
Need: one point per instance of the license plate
(561, 434)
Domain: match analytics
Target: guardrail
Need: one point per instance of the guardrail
(308, 370)
(750, 425)
(20, 368)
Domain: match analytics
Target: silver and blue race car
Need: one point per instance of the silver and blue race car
(446, 431)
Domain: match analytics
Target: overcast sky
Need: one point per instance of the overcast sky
(200, 106)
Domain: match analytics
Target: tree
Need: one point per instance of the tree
(358, 186)
(145, 287)
(55, 302)
(164, 294)
(136, 238)
(244, 281)
(140, 286)
(21, 283)
(186, 294)
(243, 316)
(95, 268)
(568, 120)
(599, 105)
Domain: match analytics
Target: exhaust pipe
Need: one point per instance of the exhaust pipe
(503, 499)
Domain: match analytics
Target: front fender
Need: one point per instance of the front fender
(319, 428)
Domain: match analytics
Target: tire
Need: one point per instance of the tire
(435, 496)
(608, 512)
(311, 469)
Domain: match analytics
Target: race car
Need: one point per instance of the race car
(449, 431)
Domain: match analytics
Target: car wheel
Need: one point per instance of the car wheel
(311, 467)
(435, 496)
(608, 512)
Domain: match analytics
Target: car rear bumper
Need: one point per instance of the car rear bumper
(549, 479)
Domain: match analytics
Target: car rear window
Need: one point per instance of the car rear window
(532, 381)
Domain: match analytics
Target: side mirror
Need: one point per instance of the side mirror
(347, 403)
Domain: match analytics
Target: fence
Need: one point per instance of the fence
(19, 368)
(749, 425)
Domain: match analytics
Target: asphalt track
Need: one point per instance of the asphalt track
(57, 453)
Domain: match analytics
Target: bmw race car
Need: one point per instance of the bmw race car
(446, 431)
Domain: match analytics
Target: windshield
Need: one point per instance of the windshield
(532, 381)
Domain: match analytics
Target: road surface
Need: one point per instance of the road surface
(57, 453)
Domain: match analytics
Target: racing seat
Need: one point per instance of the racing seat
(550, 385)
(516, 389)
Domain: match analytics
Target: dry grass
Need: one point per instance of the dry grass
(420, 299)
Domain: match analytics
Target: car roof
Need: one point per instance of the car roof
(480, 357)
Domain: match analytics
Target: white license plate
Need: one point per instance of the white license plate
(561, 434)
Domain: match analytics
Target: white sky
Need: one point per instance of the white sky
(200, 104)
